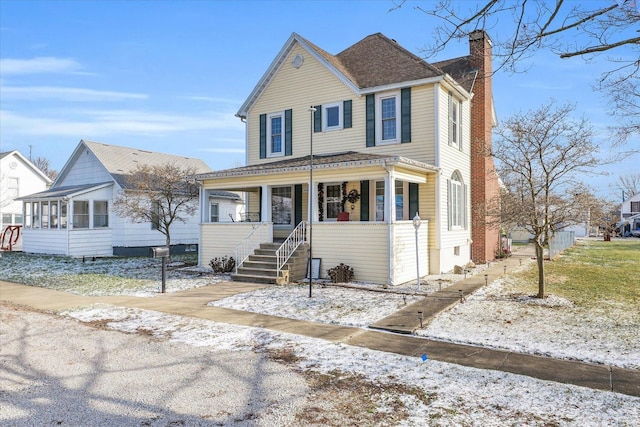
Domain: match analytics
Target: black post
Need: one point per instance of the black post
(164, 273)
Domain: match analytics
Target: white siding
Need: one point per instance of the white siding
(404, 251)
(85, 169)
(219, 240)
(13, 167)
(75, 243)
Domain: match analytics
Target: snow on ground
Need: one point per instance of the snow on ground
(551, 327)
(459, 395)
(495, 316)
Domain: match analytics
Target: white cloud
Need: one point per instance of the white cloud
(39, 65)
(112, 122)
(66, 93)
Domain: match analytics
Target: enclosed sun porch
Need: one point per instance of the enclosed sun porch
(360, 213)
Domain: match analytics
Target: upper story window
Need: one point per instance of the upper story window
(275, 135)
(332, 116)
(455, 122)
(388, 118)
(13, 188)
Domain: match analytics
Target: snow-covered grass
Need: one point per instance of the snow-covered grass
(139, 276)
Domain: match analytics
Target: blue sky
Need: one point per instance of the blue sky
(169, 76)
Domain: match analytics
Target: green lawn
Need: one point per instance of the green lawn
(593, 272)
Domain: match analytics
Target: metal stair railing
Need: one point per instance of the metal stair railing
(249, 244)
(289, 246)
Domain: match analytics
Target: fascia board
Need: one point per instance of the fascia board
(399, 85)
(31, 166)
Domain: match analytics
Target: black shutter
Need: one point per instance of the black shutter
(263, 136)
(287, 133)
(371, 120)
(317, 118)
(413, 199)
(346, 111)
(364, 200)
(297, 197)
(405, 117)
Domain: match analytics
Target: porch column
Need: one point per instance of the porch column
(390, 196)
(265, 204)
(312, 203)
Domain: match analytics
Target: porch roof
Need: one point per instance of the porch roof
(64, 192)
(344, 160)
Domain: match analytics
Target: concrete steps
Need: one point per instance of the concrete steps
(261, 266)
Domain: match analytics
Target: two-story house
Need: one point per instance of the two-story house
(18, 177)
(344, 151)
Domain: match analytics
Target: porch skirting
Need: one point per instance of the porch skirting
(378, 252)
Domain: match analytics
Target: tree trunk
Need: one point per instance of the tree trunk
(540, 260)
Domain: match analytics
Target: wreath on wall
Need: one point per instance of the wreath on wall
(353, 196)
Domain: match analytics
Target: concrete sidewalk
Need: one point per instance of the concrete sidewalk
(408, 319)
(193, 303)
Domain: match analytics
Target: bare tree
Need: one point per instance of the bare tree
(44, 165)
(630, 184)
(160, 195)
(567, 29)
(541, 156)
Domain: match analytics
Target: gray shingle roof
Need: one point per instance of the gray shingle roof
(346, 159)
(124, 160)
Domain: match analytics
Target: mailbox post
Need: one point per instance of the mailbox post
(161, 252)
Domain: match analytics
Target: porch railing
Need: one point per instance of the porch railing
(249, 244)
(289, 246)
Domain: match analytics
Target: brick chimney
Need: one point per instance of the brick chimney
(485, 189)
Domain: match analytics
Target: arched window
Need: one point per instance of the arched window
(457, 200)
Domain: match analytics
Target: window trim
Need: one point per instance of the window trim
(325, 116)
(95, 215)
(456, 200)
(378, 118)
(270, 152)
(455, 107)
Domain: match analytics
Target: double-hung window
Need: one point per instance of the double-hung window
(275, 134)
(455, 122)
(333, 201)
(388, 118)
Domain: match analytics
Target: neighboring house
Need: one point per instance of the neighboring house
(18, 177)
(75, 216)
(391, 136)
(630, 207)
(629, 224)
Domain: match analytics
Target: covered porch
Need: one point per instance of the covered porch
(356, 209)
